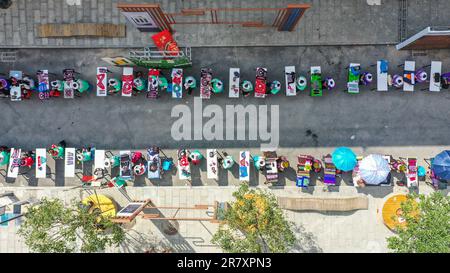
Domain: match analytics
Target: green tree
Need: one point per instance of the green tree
(254, 223)
(53, 227)
(428, 225)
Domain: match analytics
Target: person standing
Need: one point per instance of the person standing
(57, 150)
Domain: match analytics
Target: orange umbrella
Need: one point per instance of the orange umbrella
(392, 212)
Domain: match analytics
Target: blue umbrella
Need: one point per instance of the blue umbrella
(441, 165)
(344, 159)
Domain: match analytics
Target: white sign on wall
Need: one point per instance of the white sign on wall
(141, 20)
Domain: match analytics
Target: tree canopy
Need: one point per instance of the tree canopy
(428, 225)
(254, 223)
(53, 227)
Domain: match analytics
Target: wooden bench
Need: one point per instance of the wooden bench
(323, 203)
(80, 29)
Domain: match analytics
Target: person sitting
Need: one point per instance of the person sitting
(445, 82)
(14, 81)
(88, 153)
(282, 163)
(27, 160)
(5, 92)
(26, 91)
(54, 93)
(57, 151)
(317, 166)
(433, 178)
(361, 183)
(4, 149)
(153, 167)
(136, 157)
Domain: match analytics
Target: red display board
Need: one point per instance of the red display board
(165, 42)
(260, 83)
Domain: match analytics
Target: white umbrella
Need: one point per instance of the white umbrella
(374, 169)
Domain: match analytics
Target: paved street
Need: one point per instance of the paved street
(371, 118)
(328, 22)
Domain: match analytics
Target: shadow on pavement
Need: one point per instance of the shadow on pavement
(166, 178)
(376, 191)
(223, 178)
(235, 171)
(335, 213)
(306, 241)
(136, 242)
(309, 190)
(32, 181)
(170, 230)
(59, 173)
(346, 178)
(254, 177)
(196, 179)
(139, 181)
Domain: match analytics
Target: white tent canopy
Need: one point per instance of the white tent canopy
(374, 169)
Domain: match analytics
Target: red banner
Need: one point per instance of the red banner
(127, 85)
(165, 42)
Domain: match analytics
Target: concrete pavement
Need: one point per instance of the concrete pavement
(357, 231)
(328, 22)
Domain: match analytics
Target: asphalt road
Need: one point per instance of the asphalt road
(370, 118)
